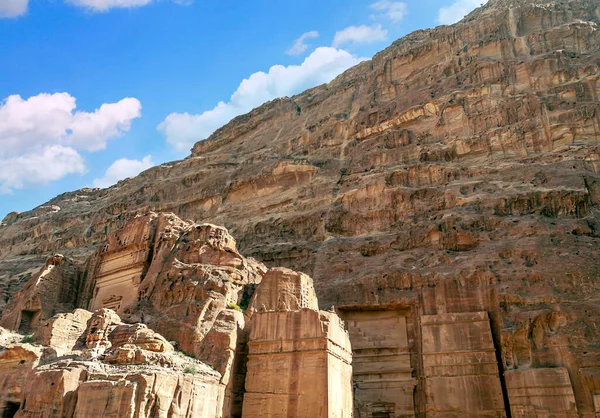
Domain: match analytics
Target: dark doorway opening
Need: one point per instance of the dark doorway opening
(28, 320)
(10, 409)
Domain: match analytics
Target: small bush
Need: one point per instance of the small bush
(234, 307)
(190, 370)
(28, 339)
(182, 354)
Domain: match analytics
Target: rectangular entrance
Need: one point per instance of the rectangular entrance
(29, 319)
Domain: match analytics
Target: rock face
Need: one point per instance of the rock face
(460, 367)
(455, 175)
(53, 289)
(113, 369)
(185, 280)
(289, 334)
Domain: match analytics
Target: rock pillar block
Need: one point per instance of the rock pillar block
(299, 365)
(541, 393)
(460, 366)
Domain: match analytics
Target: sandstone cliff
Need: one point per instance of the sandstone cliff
(450, 186)
(184, 280)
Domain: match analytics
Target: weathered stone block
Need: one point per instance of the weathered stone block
(298, 366)
(460, 366)
(381, 367)
(541, 392)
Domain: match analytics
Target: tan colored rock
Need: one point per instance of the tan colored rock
(87, 389)
(381, 366)
(100, 327)
(541, 393)
(63, 332)
(456, 172)
(121, 265)
(224, 348)
(284, 289)
(460, 366)
(16, 365)
(189, 279)
(52, 392)
(133, 372)
(299, 360)
(47, 292)
(106, 398)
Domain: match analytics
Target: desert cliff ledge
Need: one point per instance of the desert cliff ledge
(281, 357)
(180, 284)
(449, 189)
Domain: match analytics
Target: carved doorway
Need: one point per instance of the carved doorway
(29, 320)
(10, 409)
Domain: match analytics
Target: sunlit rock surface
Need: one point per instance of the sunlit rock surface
(458, 172)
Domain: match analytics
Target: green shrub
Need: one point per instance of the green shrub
(234, 307)
(183, 354)
(28, 339)
(190, 370)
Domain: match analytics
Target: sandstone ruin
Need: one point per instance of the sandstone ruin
(444, 197)
(184, 280)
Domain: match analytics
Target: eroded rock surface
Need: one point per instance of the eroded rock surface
(109, 369)
(299, 360)
(185, 280)
(457, 172)
(53, 289)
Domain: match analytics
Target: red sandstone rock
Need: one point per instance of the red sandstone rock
(109, 369)
(455, 173)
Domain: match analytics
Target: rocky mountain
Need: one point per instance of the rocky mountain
(452, 181)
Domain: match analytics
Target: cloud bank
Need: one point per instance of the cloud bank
(182, 130)
(13, 8)
(122, 169)
(359, 35)
(40, 137)
(101, 6)
(393, 10)
(33, 169)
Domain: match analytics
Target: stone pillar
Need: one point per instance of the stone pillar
(299, 361)
(460, 367)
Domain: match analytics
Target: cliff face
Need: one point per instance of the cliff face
(455, 178)
(183, 280)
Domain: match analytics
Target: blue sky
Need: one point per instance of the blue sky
(92, 91)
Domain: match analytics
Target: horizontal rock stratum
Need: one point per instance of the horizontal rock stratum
(444, 196)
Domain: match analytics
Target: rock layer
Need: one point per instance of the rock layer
(289, 334)
(457, 172)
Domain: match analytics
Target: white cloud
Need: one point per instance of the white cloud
(39, 167)
(359, 35)
(105, 5)
(182, 130)
(457, 10)
(393, 10)
(13, 8)
(299, 45)
(40, 137)
(48, 119)
(122, 169)
(91, 130)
